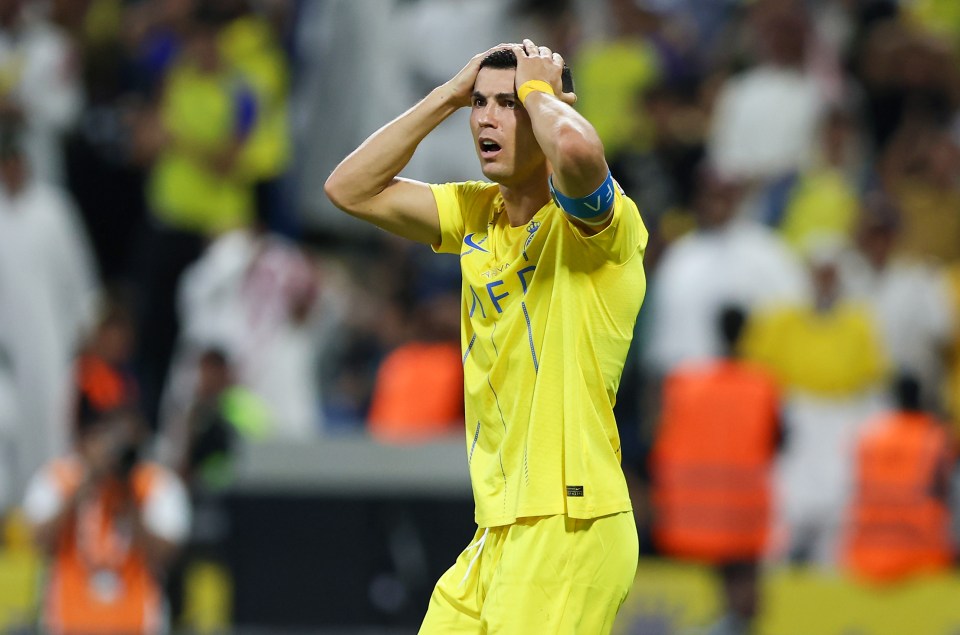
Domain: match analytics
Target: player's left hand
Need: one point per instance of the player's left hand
(539, 62)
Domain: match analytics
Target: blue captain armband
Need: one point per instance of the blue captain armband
(589, 208)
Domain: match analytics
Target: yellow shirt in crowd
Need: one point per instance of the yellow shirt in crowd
(836, 353)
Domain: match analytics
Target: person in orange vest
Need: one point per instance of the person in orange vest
(102, 369)
(899, 521)
(110, 524)
(711, 468)
(418, 393)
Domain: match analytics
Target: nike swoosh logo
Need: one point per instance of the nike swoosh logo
(468, 240)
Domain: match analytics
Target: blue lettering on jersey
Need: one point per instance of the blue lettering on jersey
(476, 303)
(496, 298)
(522, 274)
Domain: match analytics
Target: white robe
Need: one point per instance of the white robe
(742, 263)
(47, 301)
(237, 298)
(913, 308)
(39, 72)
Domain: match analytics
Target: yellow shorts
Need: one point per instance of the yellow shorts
(550, 575)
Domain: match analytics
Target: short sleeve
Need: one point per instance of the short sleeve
(43, 499)
(450, 210)
(625, 236)
(166, 509)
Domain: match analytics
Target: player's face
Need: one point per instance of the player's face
(501, 129)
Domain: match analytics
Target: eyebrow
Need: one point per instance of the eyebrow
(498, 96)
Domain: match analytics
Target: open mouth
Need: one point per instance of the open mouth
(488, 148)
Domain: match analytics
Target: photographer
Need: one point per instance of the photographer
(110, 524)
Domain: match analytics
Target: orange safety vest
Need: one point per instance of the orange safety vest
(711, 462)
(98, 581)
(898, 526)
(418, 393)
(102, 384)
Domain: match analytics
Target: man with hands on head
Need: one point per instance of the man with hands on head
(551, 255)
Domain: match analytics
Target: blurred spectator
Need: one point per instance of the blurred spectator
(829, 361)
(454, 28)
(110, 524)
(712, 465)
(9, 431)
(219, 416)
(911, 299)
(155, 33)
(104, 171)
(899, 523)
(259, 297)
(103, 370)
(39, 83)
(920, 169)
(557, 21)
(608, 99)
(47, 298)
(765, 119)
(697, 38)
(951, 392)
(203, 444)
(661, 179)
(821, 199)
(249, 44)
(726, 260)
(940, 17)
(197, 187)
(906, 75)
(418, 393)
(358, 92)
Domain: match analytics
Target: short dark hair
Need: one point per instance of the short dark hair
(907, 392)
(731, 321)
(501, 58)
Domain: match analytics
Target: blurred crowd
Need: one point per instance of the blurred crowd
(165, 247)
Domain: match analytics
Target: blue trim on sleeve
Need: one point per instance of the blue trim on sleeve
(590, 206)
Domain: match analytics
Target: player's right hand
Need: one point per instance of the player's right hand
(460, 88)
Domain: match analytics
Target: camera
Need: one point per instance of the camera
(127, 456)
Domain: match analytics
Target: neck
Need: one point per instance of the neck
(524, 200)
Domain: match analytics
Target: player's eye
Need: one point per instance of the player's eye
(509, 103)
(478, 102)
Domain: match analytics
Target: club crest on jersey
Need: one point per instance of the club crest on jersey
(532, 228)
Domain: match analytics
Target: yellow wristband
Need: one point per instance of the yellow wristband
(532, 85)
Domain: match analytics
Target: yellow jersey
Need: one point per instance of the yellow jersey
(184, 190)
(547, 317)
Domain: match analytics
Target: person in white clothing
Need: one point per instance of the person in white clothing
(910, 298)
(39, 83)
(765, 119)
(259, 298)
(48, 294)
(726, 260)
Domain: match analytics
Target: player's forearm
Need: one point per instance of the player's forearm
(369, 169)
(570, 143)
